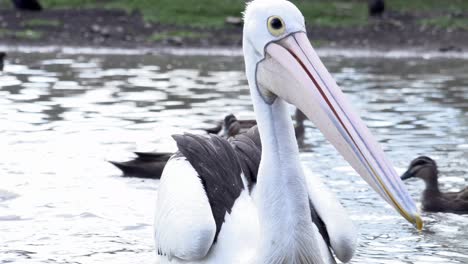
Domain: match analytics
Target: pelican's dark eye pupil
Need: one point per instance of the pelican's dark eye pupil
(276, 23)
(275, 26)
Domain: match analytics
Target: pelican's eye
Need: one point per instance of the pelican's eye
(276, 25)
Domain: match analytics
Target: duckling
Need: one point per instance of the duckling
(433, 200)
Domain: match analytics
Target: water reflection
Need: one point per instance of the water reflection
(63, 116)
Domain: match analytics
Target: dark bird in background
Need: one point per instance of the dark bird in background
(376, 7)
(2, 58)
(433, 200)
(151, 164)
(29, 5)
(231, 126)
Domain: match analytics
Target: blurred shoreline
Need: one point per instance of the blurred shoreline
(107, 28)
(411, 53)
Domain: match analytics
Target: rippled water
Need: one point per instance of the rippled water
(63, 116)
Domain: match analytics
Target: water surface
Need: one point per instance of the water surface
(63, 115)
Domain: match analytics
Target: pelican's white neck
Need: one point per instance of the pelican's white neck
(281, 192)
(274, 121)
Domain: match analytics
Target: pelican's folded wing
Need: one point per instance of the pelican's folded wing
(198, 187)
(333, 222)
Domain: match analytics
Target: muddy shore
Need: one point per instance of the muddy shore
(117, 28)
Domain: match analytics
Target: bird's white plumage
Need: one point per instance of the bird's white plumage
(256, 16)
(237, 240)
(288, 234)
(184, 224)
(340, 228)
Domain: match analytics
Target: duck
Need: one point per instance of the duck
(149, 165)
(28, 5)
(376, 8)
(231, 126)
(432, 199)
(2, 58)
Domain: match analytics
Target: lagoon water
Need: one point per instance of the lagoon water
(62, 116)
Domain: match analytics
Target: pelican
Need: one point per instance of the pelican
(208, 211)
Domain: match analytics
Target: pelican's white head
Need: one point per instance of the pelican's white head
(280, 62)
(269, 20)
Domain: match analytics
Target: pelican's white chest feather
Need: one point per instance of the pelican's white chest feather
(182, 202)
(237, 242)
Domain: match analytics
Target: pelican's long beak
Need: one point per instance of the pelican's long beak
(292, 70)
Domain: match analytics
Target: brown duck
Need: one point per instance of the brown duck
(433, 200)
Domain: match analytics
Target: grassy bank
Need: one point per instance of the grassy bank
(212, 13)
(332, 13)
(416, 23)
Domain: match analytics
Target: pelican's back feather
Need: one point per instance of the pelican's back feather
(218, 168)
(248, 148)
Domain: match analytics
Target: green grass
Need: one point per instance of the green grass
(28, 34)
(428, 5)
(182, 34)
(23, 34)
(41, 22)
(59, 4)
(318, 42)
(212, 13)
(6, 4)
(197, 13)
(334, 13)
(436, 6)
(447, 22)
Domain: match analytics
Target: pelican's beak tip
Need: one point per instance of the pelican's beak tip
(419, 222)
